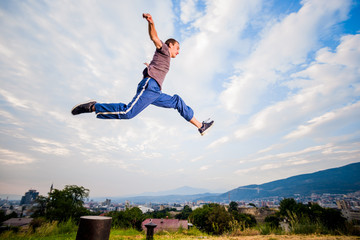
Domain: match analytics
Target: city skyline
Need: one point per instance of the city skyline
(281, 79)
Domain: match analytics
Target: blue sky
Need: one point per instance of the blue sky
(281, 79)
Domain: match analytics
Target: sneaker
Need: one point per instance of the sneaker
(83, 108)
(205, 126)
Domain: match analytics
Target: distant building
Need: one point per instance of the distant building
(343, 205)
(29, 197)
(145, 209)
(107, 202)
(259, 213)
(351, 216)
(170, 225)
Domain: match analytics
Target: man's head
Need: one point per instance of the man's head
(174, 47)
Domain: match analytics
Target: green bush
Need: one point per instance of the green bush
(212, 219)
(307, 219)
(130, 218)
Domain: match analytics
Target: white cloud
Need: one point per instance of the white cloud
(50, 147)
(205, 167)
(9, 118)
(197, 159)
(205, 50)
(219, 142)
(9, 157)
(289, 155)
(13, 100)
(284, 45)
(326, 83)
(308, 156)
(330, 120)
(188, 11)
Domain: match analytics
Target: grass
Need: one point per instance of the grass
(68, 230)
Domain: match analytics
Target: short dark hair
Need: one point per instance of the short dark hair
(172, 41)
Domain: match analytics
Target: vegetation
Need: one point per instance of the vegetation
(184, 214)
(59, 231)
(63, 205)
(308, 219)
(215, 219)
(128, 219)
(57, 216)
(46, 230)
(160, 214)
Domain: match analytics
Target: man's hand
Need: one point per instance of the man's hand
(148, 17)
(152, 32)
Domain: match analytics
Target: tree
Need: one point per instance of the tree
(246, 220)
(233, 206)
(165, 213)
(273, 221)
(330, 218)
(184, 214)
(40, 206)
(253, 205)
(65, 204)
(130, 218)
(288, 205)
(211, 218)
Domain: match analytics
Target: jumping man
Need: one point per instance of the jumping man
(149, 89)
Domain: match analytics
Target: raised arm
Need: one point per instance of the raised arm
(152, 32)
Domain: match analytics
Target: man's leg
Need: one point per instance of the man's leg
(176, 102)
(195, 122)
(145, 95)
(185, 111)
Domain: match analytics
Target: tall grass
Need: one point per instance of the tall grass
(47, 230)
(303, 225)
(268, 229)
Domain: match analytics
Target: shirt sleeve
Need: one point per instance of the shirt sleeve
(164, 49)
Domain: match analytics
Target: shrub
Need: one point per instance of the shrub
(273, 221)
(36, 223)
(311, 218)
(211, 218)
(130, 218)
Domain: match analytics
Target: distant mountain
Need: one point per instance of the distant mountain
(340, 180)
(185, 190)
(163, 199)
(178, 195)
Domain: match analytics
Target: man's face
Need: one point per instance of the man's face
(174, 49)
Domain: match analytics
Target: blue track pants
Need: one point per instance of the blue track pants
(148, 92)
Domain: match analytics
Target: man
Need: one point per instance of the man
(149, 89)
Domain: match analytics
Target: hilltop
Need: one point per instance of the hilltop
(341, 180)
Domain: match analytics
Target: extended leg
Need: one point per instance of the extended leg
(185, 111)
(176, 102)
(145, 95)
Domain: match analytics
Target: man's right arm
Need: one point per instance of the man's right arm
(152, 32)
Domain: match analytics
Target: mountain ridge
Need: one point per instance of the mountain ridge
(339, 180)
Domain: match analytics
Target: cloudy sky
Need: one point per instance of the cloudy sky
(281, 79)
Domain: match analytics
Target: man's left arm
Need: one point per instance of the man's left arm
(152, 31)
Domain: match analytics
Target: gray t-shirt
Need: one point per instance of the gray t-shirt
(159, 65)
